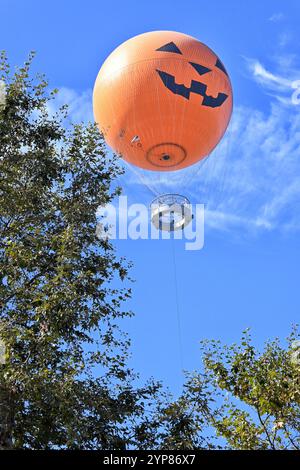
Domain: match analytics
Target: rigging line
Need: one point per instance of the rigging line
(193, 174)
(141, 178)
(177, 308)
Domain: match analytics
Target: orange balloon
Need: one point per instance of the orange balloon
(162, 100)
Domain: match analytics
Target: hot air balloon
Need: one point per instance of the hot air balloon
(163, 101)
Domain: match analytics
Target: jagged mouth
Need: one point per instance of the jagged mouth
(196, 87)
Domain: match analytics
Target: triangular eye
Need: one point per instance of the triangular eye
(200, 68)
(221, 66)
(170, 47)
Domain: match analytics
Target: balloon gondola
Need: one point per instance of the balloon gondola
(171, 212)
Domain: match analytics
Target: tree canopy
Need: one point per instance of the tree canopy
(250, 398)
(64, 381)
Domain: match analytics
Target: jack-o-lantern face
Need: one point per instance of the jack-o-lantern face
(196, 87)
(163, 100)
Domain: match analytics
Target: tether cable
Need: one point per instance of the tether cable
(177, 307)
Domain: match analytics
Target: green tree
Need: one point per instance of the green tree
(250, 399)
(64, 381)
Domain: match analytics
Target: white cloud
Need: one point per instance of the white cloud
(278, 84)
(286, 61)
(226, 221)
(80, 104)
(276, 17)
(261, 187)
(268, 79)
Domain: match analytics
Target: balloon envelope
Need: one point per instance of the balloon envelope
(163, 100)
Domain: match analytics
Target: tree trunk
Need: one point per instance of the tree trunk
(6, 419)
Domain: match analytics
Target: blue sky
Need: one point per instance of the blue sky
(247, 274)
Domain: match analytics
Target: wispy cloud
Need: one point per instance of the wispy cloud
(261, 188)
(225, 221)
(79, 104)
(280, 83)
(276, 17)
(269, 80)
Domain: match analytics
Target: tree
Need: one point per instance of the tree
(251, 399)
(64, 381)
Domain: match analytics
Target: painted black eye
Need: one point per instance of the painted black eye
(221, 66)
(170, 47)
(201, 69)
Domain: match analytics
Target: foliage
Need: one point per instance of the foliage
(65, 381)
(252, 399)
